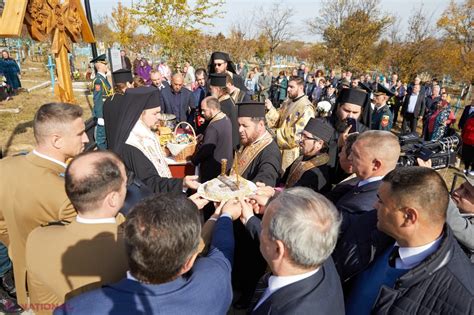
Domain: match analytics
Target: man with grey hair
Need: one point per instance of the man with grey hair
(298, 233)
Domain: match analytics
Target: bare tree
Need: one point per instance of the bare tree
(275, 26)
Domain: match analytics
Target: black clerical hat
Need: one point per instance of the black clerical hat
(101, 58)
(382, 90)
(220, 55)
(122, 76)
(320, 128)
(218, 79)
(353, 96)
(365, 87)
(251, 109)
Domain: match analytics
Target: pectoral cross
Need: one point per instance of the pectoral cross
(64, 22)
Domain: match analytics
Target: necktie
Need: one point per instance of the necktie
(262, 285)
(394, 254)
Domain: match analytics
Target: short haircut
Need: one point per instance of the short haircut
(53, 117)
(421, 188)
(200, 71)
(351, 138)
(298, 80)
(258, 119)
(213, 102)
(88, 187)
(382, 145)
(155, 72)
(161, 233)
(307, 223)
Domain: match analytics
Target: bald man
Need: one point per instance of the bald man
(374, 154)
(66, 258)
(178, 101)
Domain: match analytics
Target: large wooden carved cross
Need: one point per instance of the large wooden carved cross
(63, 21)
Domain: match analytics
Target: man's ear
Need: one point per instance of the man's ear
(377, 164)
(189, 263)
(410, 216)
(57, 141)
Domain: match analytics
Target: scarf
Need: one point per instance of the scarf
(142, 138)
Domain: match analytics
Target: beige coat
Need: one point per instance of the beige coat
(31, 193)
(64, 261)
(287, 123)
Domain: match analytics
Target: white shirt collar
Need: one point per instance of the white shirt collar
(410, 257)
(278, 282)
(369, 180)
(130, 277)
(49, 158)
(79, 219)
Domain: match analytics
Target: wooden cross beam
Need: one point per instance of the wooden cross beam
(64, 22)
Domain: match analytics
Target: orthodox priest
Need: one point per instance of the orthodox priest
(311, 169)
(350, 116)
(112, 106)
(259, 157)
(290, 119)
(259, 160)
(220, 62)
(219, 89)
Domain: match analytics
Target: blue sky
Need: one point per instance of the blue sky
(303, 10)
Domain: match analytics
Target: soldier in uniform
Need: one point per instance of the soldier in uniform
(290, 119)
(87, 251)
(311, 169)
(382, 117)
(101, 89)
(32, 186)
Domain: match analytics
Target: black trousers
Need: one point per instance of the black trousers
(409, 121)
(467, 155)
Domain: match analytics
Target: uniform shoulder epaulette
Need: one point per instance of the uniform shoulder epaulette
(61, 223)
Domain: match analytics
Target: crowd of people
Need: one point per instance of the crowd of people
(334, 226)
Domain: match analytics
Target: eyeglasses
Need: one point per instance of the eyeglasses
(218, 64)
(304, 137)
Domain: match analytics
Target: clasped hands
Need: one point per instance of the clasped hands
(242, 208)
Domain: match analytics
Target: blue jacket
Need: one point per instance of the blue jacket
(206, 289)
(179, 104)
(359, 199)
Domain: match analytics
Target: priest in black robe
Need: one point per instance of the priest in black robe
(139, 147)
(219, 89)
(311, 169)
(259, 160)
(352, 114)
(112, 106)
(216, 143)
(220, 62)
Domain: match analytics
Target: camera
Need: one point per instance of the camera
(442, 152)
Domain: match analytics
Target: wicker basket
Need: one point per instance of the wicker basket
(182, 152)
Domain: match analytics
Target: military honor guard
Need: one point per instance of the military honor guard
(290, 119)
(311, 169)
(382, 117)
(101, 89)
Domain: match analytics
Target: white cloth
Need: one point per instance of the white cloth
(412, 103)
(276, 282)
(80, 219)
(471, 110)
(410, 257)
(50, 159)
(369, 180)
(142, 138)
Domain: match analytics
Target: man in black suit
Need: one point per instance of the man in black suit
(413, 109)
(373, 155)
(298, 233)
